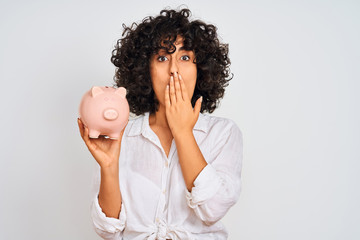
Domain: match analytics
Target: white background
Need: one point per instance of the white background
(294, 95)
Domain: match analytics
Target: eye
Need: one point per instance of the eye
(160, 58)
(186, 56)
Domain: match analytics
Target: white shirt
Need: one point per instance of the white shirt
(155, 201)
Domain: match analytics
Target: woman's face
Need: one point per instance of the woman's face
(163, 65)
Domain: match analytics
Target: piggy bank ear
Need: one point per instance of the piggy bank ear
(96, 91)
(121, 91)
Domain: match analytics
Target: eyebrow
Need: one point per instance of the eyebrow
(180, 49)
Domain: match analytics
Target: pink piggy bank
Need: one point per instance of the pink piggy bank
(105, 111)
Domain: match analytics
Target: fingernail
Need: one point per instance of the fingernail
(171, 78)
(175, 74)
(201, 98)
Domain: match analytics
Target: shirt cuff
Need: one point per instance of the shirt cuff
(104, 223)
(206, 184)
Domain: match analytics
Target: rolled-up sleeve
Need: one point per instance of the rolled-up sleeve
(217, 187)
(105, 227)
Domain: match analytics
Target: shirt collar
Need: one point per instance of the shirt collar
(142, 123)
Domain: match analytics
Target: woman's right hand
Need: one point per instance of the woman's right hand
(106, 151)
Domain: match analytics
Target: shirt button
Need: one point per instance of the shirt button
(157, 219)
(166, 164)
(164, 191)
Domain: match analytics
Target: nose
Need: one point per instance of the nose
(173, 66)
(110, 114)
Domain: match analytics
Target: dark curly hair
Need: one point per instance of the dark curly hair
(133, 52)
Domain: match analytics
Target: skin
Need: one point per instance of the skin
(173, 79)
(174, 119)
(106, 152)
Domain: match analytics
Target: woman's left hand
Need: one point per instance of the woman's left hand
(180, 115)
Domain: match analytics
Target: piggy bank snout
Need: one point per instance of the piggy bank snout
(110, 114)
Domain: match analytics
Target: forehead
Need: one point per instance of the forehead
(179, 44)
(178, 48)
(179, 41)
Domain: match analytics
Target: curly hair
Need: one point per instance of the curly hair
(133, 52)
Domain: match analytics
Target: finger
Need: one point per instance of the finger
(81, 128)
(122, 132)
(84, 133)
(183, 88)
(115, 144)
(86, 137)
(167, 97)
(197, 106)
(178, 92)
(172, 91)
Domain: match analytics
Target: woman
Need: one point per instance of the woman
(174, 172)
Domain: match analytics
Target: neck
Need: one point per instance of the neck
(158, 118)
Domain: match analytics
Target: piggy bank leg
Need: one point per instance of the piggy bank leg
(114, 136)
(94, 133)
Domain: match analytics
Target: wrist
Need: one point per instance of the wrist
(110, 170)
(183, 134)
